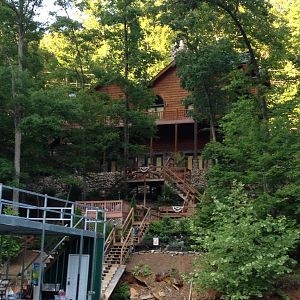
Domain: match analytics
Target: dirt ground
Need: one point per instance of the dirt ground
(161, 262)
(163, 266)
(165, 282)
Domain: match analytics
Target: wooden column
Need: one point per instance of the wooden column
(176, 139)
(151, 151)
(195, 140)
(195, 164)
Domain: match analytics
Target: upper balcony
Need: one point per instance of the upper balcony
(171, 116)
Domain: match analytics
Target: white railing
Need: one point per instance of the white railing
(49, 210)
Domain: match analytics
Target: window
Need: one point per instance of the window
(158, 107)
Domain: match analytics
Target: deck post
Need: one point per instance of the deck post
(151, 151)
(176, 138)
(72, 215)
(42, 255)
(98, 259)
(145, 191)
(1, 189)
(79, 263)
(195, 163)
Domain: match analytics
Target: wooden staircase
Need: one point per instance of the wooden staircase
(177, 178)
(121, 241)
(179, 182)
(119, 245)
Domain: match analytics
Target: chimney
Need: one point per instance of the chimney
(175, 48)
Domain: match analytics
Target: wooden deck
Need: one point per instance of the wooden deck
(115, 208)
(156, 174)
(176, 212)
(177, 114)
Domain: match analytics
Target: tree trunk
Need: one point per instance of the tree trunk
(21, 42)
(253, 60)
(212, 128)
(18, 107)
(126, 72)
(17, 154)
(211, 116)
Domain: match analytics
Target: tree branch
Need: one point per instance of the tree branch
(11, 6)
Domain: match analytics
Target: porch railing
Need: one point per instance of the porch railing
(113, 208)
(171, 114)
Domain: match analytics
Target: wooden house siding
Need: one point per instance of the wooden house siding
(175, 126)
(169, 88)
(113, 90)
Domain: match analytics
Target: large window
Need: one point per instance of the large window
(158, 108)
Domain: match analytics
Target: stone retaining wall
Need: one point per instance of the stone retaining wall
(102, 183)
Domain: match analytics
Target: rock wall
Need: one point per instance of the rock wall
(198, 180)
(95, 183)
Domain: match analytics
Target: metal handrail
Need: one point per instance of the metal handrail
(51, 252)
(65, 213)
(43, 196)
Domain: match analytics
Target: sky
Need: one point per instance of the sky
(43, 15)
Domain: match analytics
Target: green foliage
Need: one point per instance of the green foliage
(121, 292)
(141, 270)
(171, 233)
(6, 170)
(245, 253)
(265, 158)
(203, 71)
(133, 202)
(126, 38)
(9, 245)
(168, 196)
(179, 159)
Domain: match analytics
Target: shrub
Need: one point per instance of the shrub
(10, 245)
(174, 233)
(142, 270)
(121, 292)
(245, 253)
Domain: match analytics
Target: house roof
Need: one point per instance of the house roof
(100, 87)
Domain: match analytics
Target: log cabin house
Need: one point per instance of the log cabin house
(177, 133)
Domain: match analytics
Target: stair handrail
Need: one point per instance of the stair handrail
(143, 223)
(190, 191)
(55, 247)
(125, 244)
(178, 179)
(110, 240)
(168, 161)
(128, 221)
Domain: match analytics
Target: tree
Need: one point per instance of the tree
(246, 253)
(131, 54)
(243, 15)
(203, 72)
(264, 166)
(20, 15)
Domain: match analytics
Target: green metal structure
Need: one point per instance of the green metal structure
(76, 228)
